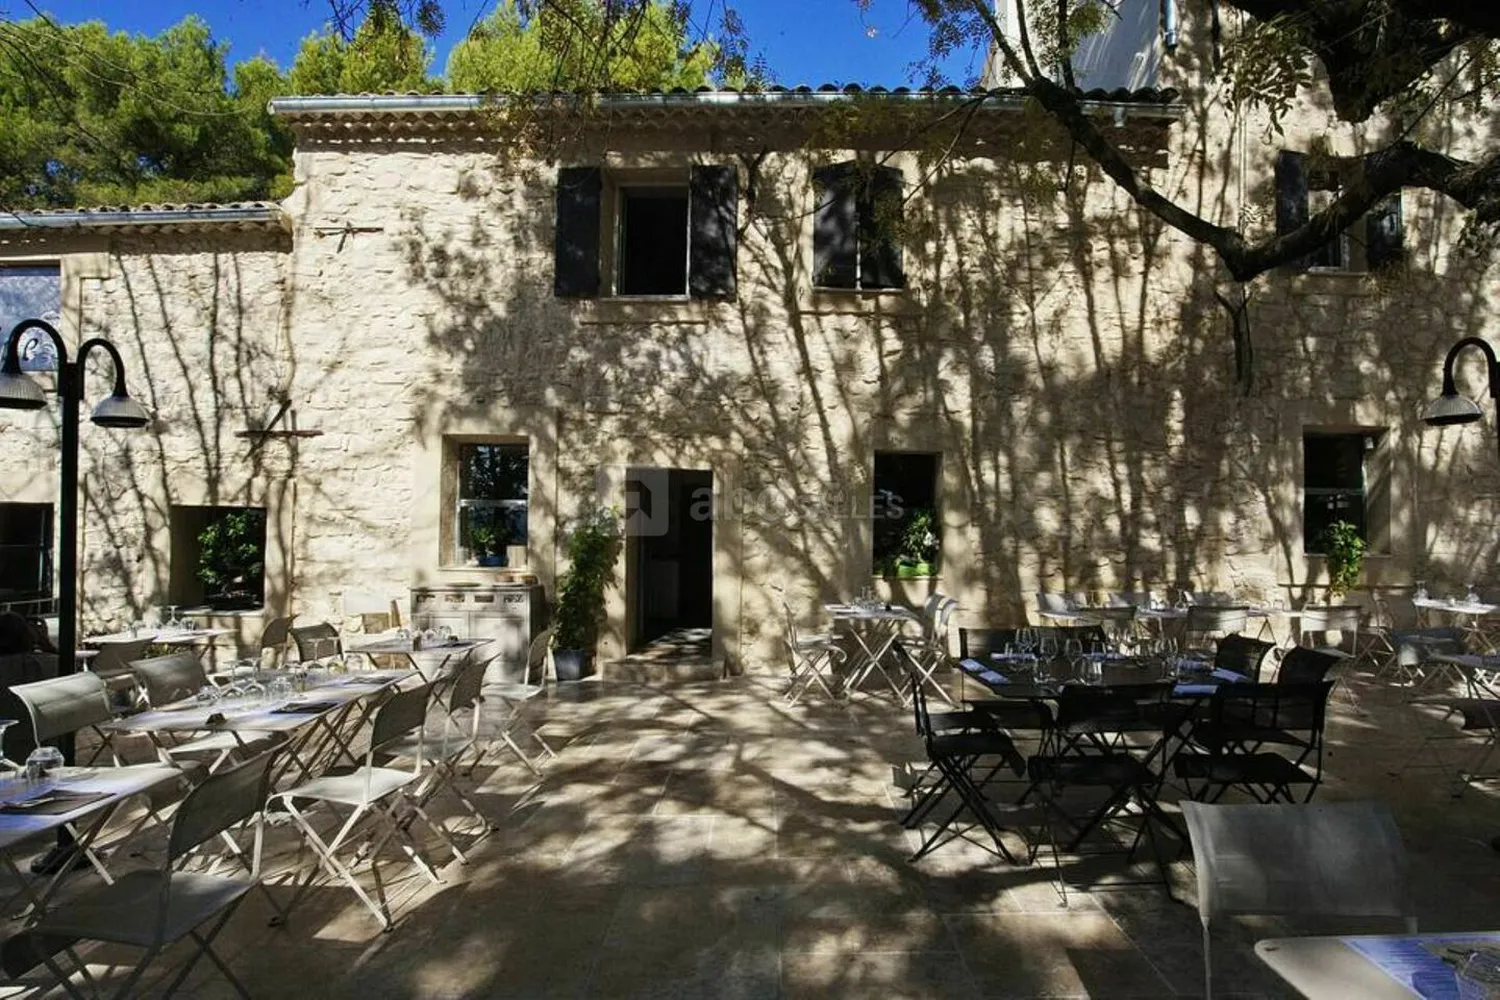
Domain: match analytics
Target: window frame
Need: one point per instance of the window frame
(865, 223)
(616, 186)
(887, 565)
(1373, 442)
(45, 549)
(455, 542)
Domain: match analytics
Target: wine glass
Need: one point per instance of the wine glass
(1049, 647)
(172, 623)
(5, 762)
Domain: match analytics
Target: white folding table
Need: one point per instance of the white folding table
(874, 630)
(20, 829)
(1373, 966)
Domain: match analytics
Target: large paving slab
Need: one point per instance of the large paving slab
(702, 839)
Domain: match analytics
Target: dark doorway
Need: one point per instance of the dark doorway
(670, 560)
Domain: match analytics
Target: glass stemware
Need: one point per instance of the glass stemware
(173, 622)
(6, 764)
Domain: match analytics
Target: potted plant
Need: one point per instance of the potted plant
(487, 549)
(231, 560)
(593, 546)
(1345, 551)
(919, 545)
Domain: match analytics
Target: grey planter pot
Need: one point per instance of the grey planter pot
(571, 664)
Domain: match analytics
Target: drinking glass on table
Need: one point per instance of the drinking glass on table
(1073, 649)
(1479, 977)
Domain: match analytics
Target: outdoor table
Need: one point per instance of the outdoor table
(1453, 666)
(421, 659)
(1467, 615)
(164, 637)
(343, 702)
(874, 630)
(1372, 967)
(18, 830)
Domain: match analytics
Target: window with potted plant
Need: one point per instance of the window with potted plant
(593, 547)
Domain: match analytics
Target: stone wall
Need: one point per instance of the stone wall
(1065, 355)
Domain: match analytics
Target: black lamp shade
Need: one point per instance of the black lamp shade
(19, 391)
(120, 411)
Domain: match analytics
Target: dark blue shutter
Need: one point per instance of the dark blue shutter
(1385, 234)
(1291, 196)
(879, 230)
(713, 193)
(576, 257)
(835, 238)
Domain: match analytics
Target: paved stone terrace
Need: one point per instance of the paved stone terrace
(703, 840)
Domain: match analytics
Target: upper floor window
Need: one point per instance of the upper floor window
(1304, 186)
(646, 232)
(856, 227)
(32, 291)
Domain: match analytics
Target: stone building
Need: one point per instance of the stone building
(474, 314)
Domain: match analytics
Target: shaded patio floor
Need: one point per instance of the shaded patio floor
(703, 840)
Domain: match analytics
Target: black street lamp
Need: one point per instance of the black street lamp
(1450, 408)
(20, 392)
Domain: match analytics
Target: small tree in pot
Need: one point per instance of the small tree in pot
(593, 547)
(1344, 550)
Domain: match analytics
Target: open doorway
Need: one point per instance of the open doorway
(669, 561)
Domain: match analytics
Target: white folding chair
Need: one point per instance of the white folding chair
(1208, 622)
(1338, 859)
(371, 794)
(72, 703)
(513, 698)
(932, 652)
(1314, 624)
(811, 658)
(1057, 609)
(155, 908)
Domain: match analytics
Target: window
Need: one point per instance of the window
(491, 503)
(1343, 479)
(903, 507)
(218, 557)
(856, 226)
(25, 551)
(32, 291)
(1376, 243)
(671, 233)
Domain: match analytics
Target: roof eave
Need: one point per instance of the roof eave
(116, 219)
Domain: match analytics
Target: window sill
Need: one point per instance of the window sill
(858, 302)
(649, 309)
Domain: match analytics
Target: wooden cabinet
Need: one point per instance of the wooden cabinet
(507, 614)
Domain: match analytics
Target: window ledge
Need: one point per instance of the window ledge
(859, 302)
(649, 309)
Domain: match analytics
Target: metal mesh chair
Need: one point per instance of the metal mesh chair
(514, 697)
(372, 794)
(113, 664)
(1316, 622)
(153, 909)
(1242, 655)
(457, 735)
(72, 703)
(175, 676)
(276, 634)
(1057, 609)
(1242, 720)
(812, 659)
(1327, 860)
(1205, 622)
(316, 641)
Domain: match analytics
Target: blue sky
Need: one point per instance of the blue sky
(803, 41)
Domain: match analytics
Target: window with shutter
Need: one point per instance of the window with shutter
(673, 232)
(1374, 243)
(1345, 477)
(856, 227)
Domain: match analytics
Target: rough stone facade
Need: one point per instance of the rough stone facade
(1064, 353)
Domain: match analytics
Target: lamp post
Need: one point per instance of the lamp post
(20, 392)
(1450, 408)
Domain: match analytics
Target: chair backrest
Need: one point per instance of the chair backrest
(276, 633)
(314, 641)
(115, 657)
(1128, 599)
(1414, 645)
(1242, 654)
(170, 678)
(1217, 618)
(931, 605)
(1325, 859)
(979, 643)
(942, 618)
(399, 715)
(538, 658)
(223, 800)
(64, 704)
(468, 682)
(1052, 603)
(1340, 618)
(1106, 708)
(1293, 708)
(1301, 665)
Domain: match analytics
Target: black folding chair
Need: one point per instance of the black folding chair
(1242, 654)
(1090, 747)
(956, 743)
(1243, 719)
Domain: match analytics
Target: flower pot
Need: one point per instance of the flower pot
(571, 664)
(492, 559)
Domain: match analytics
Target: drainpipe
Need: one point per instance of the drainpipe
(1169, 24)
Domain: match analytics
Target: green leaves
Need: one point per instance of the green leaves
(593, 546)
(1344, 548)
